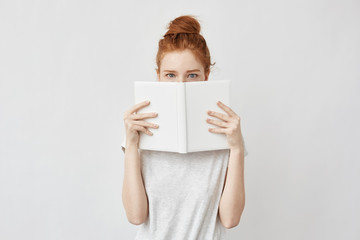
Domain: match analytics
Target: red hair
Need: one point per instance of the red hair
(184, 33)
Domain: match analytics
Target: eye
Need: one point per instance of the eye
(193, 75)
(170, 75)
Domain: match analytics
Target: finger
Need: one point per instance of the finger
(217, 130)
(147, 124)
(138, 106)
(142, 129)
(219, 115)
(227, 109)
(216, 122)
(143, 115)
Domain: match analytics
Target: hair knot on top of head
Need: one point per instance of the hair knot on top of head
(184, 24)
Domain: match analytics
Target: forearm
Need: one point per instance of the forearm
(133, 194)
(232, 201)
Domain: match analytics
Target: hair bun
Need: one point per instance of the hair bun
(183, 24)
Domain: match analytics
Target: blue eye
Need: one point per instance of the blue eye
(170, 75)
(192, 75)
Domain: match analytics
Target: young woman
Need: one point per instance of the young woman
(183, 196)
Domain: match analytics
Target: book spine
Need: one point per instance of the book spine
(181, 106)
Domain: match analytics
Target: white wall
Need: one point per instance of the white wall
(66, 77)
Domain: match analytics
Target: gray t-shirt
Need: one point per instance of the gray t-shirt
(184, 192)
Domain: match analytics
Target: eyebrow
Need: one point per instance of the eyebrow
(194, 70)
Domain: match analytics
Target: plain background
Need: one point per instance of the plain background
(66, 78)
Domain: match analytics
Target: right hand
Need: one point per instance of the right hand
(134, 123)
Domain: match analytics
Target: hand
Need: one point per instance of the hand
(133, 123)
(230, 126)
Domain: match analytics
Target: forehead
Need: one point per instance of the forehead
(180, 61)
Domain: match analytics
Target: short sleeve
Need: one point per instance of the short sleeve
(245, 150)
(123, 144)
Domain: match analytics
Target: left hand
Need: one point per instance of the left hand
(230, 126)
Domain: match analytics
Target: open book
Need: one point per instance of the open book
(182, 112)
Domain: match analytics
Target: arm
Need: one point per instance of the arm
(232, 201)
(133, 194)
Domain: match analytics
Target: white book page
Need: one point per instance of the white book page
(201, 97)
(163, 100)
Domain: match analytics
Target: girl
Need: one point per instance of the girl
(190, 196)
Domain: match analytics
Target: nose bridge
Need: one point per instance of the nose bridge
(181, 78)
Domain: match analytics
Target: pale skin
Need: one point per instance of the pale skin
(182, 66)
